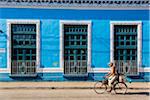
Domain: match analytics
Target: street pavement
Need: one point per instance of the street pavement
(69, 94)
(68, 91)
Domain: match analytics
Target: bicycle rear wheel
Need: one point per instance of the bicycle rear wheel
(120, 88)
(99, 87)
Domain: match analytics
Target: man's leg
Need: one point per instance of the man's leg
(109, 84)
(111, 81)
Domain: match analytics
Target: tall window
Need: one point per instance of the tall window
(75, 49)
(125, 48)
(23, 49)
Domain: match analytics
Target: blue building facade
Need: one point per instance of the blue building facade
(73, 40)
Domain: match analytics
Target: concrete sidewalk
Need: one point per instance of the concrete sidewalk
(64, 85)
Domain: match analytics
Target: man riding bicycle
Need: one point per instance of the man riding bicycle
(112, 80)
(111, 76)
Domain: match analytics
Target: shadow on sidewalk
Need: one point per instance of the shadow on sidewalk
(137, 93)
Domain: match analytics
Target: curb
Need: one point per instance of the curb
(1, 88)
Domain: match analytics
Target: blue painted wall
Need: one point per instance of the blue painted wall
(10, 13)
(50, 43)
(3, 44)
(50, 34)
(146, 43)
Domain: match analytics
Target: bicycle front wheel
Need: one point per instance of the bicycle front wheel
(99, 87)
(120, 88)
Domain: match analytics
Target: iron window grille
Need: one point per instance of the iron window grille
(23, 49)
(75, 50)
(125, 48)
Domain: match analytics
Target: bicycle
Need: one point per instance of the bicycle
(118, 86)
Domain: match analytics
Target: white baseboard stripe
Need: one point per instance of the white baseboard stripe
(4, 70)
(54, 70)
(99, 70)
(2, 50)
(144, 69)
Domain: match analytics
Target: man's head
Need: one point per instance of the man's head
(110, 64)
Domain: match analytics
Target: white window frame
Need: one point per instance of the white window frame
(37, 23)
(139, 39)
(75, 22)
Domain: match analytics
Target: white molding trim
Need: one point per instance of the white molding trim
(76, 4)
(79, 7)
(139, 39)
(75, 22)
(22, 21)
